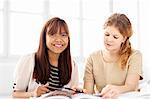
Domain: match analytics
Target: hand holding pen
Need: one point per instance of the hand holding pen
(75, 90)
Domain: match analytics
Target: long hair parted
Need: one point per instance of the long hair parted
(123, 24)
(41, 70)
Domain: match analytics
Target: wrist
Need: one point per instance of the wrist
(32, 94)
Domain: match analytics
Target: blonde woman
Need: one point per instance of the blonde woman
(118, 68)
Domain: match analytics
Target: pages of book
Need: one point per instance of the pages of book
(85, 96)
(52, 96)
(75, 96)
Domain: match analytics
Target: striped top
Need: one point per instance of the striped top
(54, 80)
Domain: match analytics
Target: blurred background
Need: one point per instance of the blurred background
(21, 22)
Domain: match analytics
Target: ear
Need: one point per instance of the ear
(124, 39)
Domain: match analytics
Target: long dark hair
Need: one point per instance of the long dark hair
(123, 24)
(41, 70)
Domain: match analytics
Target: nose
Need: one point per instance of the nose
(58, 38)
(109, 38)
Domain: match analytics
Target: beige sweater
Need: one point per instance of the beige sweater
(100, 73)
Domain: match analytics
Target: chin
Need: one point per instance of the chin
(109, 49)
(58, 52)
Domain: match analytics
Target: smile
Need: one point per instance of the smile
(58, 45)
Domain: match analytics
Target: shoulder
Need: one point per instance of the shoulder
(96, 55)
(25, 61)
(135, 53)
(135, 57)
(28, 56)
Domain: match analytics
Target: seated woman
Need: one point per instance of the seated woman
(51, 67)
(118, 68)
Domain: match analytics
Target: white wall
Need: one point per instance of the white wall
(6, 78)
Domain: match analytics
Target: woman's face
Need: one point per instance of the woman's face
(113, 39)
(57, 42)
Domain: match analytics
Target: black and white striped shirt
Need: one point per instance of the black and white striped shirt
(54, 80)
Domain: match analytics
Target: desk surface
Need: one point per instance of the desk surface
(135, 95)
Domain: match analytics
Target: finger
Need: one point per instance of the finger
(106, 97)
(43, 92)
(47, 84)
(110, 94)
(44, 88)
(114, 97)
(105, 90)
(39, 92)
(113, 93)
(84, 90)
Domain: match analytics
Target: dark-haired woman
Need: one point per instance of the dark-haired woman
(51, 67)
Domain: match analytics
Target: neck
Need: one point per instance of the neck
(53, 58)
(112, 53)
(110, 56)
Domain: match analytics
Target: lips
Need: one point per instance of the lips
(108, 44)
(58, 45)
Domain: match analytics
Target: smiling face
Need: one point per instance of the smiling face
(113, 39)
(57, 42)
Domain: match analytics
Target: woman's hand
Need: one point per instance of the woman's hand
(40, 90)
(110, 92)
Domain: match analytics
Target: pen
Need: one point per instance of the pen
(78, 91)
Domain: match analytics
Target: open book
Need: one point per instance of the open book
(69, 96)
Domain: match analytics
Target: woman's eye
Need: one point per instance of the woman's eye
(106, 34)
(64, 34)
(51, 34)
(116, 37)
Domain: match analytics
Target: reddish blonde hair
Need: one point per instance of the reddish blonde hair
(123, 24)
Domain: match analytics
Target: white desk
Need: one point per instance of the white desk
(135, 95)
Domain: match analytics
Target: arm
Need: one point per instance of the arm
(89, 87)
(75, 75)
(131, 81)
(22, 77)
(20, 94)
(112, 91)
(88, 76)
(36, 93)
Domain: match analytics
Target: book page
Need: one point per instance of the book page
(55, 95)
(85, 96)
(75, 96)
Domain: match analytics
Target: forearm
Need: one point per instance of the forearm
(26, 95)
(89, 87)
(127, 88)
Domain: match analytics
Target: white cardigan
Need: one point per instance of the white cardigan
(23, 75)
